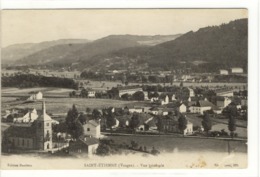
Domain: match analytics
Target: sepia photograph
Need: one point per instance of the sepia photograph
(124, 89)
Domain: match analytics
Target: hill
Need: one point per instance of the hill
(68, 52)
(15, 52)
(208, 49)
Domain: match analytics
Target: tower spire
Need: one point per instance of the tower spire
(43, 108)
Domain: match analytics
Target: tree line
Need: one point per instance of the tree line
(31, 80)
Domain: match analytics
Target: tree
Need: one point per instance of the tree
(74, 127)
(84, 93)
(134, 121)
(182, 123)
(96, 114)
(232, 125)
(125, 96)
(111, 121)
(181, 84)
(138, 96)
(206, 123)
(159, 124)
(72, 115)
(103, 149)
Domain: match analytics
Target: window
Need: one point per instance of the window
(47, 124)
(23, 142)
(39, 125)
(27, 143)
(88, 129)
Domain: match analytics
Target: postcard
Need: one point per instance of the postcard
(124, 89)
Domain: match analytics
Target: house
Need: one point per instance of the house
(134, 109)
(164, 99)
(191, 92)
(92, 128)
(202, 106)
(146, 96)
(237, 70)
(150, 124)
(84, 144)
(91, 93)
(225, 92)
(223, 102)
(116, 124)
(35, 96)
(182, 108)
(28, 117)
(189, 129)
(32, 135)
(154, 110)
(173, 97)
(223, 72)
(169, 124)
(128, 90)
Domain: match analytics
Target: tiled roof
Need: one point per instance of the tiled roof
(88, 141)
(21, 131)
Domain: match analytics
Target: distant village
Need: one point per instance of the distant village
(235, 74)
(167, 111)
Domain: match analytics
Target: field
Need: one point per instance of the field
(110, 84)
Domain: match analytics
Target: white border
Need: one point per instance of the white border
(253, 81)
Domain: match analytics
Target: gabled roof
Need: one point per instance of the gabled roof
(88, 141)
(93, 122)
(203, 103)
(21, 131)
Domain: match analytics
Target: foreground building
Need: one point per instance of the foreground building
(36, 135)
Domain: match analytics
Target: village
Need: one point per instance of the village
(155, 111)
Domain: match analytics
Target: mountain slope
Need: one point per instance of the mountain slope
(70, 53)
(18, 51)
(213, 48)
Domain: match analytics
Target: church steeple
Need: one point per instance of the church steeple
(43, 108)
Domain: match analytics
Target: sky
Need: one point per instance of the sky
(32, 26)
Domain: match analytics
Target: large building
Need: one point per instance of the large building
(223, 72)
(128, 90)
(202, 106)
(237, 70)
(223, 102)
(32, 135)
(224, 92)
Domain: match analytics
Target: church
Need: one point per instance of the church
(36, 135)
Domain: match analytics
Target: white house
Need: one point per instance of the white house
(223, 102)
(182, 108)
(191, 92)
(92, 129)
(237, 70)
(136, 109)
(202, 106)
(30, 116)
(165, 100)
(189, 129)
(154, 110)
(223, 72)
(173, 97)
(91, 93)
(36, 96)
(116, 125)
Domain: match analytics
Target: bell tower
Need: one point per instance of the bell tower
(44, 130)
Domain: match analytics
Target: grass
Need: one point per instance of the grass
(173, 144)
(62, 105)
